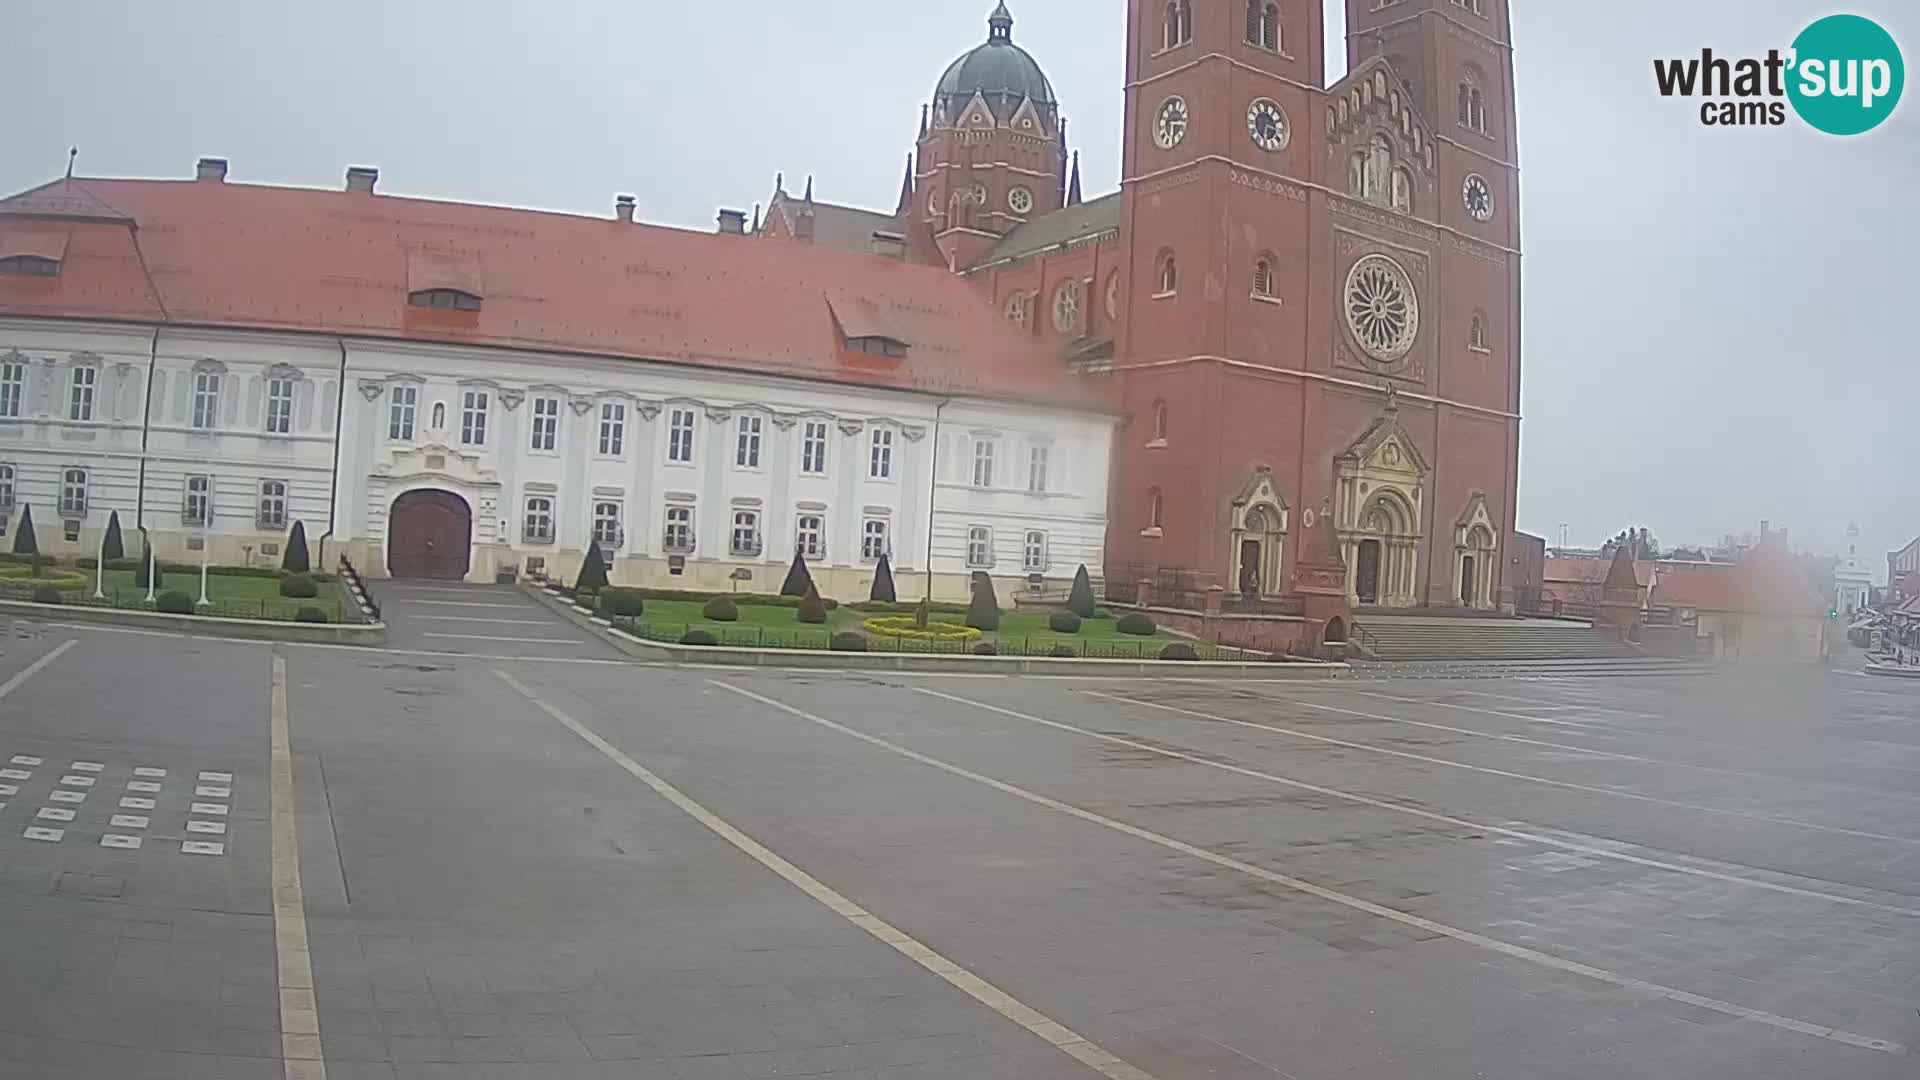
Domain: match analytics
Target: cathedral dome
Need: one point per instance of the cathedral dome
(1000, 70)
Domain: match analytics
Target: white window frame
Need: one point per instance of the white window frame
(608, 530)
(679, 536)
(545, 437)
(744, 539)
(979, 547)
(536, 519)
(880, 456)
(196, 506)
(613, 429)
(681, 428)
(813, 447)
(272, 510)
(474, 406)
(7, 475)
(1035, 557)
(280, 405)
(402, 411)
(1039, 461)
(983, 455)
(811, 542)
(873, 539)
(206, 401)
(13, 387)
(85, 379)
(73, 492)
(751, 434)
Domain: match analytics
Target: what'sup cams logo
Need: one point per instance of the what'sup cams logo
(1843, 75)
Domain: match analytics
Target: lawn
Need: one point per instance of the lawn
(231, 596)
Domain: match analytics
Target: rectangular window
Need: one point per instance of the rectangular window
(473, 418)
(279, 406)
(606, 524)
(1037, 469)
(546, 423)
(746, 532)
(979, 546)
(983, 463)
(206, 399)
(747, 452)
(81, 405)
(679, 529)
(680, 437)
(873, 540)
(13, 388)
(73, 493)
(539, 522)
(1034, 559)
(273, 504)
(813, 447)
(406, 400)
(880, 466)
(6, 488)
(613, 429)
(811, 540)
(198, 507)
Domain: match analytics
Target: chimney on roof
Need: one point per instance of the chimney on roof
(733, 223)
(211, 168)
(889, 244)
(362, 178)
(623, 208)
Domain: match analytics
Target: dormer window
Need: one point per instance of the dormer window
(29, 266)
(444, 299)
(874, 345)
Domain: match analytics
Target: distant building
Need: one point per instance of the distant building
(1760, 608)
(1852, 580)
(1526, 570)
(1903, 573)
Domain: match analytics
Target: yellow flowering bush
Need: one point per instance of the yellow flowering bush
(901, 626)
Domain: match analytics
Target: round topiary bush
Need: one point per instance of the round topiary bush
(1063, 622)
(985, 648)
(173, 602)
(622, 603)
(1136, 624)
(812, 609)
(46, 594)
(849, 641)
(699, 637)
(298, 587)
(720, 609)
(311, 614)
(1179, 650)
(1063, 652)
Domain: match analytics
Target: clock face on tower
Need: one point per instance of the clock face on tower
(1170, 124)
(1267, 125)
(1478, 196)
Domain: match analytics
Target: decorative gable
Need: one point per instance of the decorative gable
(1387, 448)
(1476, 517)
(976, 115)
(1027, 120)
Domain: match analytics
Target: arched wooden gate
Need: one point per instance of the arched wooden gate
(429, 535)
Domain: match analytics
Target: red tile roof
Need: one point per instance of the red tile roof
(249, 256)
(1765, 582)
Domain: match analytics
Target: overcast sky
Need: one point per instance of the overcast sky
(1719, 323)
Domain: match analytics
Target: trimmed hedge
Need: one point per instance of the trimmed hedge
(46, 594)
(310, 614)
(299, 587)
(1179, 650)
(89, 563)
(986, 648)
(699, 637)
(1063, 652)
(622, 603)
(1136, 624)
(23, 577)
(872, 607)
(1063, 622)
(903, 627)
(738, 599)
(173, 602)
(849, 642)
(720, 609)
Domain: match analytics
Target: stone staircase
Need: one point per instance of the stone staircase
(1408, 638)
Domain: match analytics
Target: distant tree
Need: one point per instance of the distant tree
(883, 583)
(1687, 554)
(1080, 599)
(140, 571)
(24, 542)
(1641, 542)
(593, 572)
(983, 611)
(113, 547)
(799, 579)
(295, 561)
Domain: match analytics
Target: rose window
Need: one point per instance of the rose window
(1382, 311)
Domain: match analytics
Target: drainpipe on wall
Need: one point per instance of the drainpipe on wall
(146, 426)
(339, 425)
(933, 481)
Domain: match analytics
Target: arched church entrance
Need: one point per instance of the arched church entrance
(1258, 519)
(430, 535)
(1385, 552)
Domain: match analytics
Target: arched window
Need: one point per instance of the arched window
(1263, 24)
(1179, 24)
(1168, 272)
(1403, 191)
(1155, 508)
(1020, 309)
(1379, 166)
(1160, 421)
(1357, 175)
(1066, 307)
(1472, 103)
(1477, 333)
(1263, 276)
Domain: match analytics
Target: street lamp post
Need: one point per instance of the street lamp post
(100, 568)
(206, 540)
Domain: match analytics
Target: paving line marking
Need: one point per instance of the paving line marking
(16, 774)
(1566, 784)
(129, 821)
(1434, 815)
(87, 766)
(145, 771)
(51, 836)
(518, 640)
(466, 603)
(213, 791)
(219, 809)
(1061, 1037)
(9, 790)
(478, 619)
(216, 778)
(67, 796)
(115, 840)
(25, 759)
(201, 847)
(146, 786)
(33, 669)
(1518, 952)
(300, 1051)
(54, 813)
(132, 803)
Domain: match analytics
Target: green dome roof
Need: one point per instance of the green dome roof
(998, 69)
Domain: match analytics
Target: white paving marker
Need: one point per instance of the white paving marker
(142, 785)
(54, 813)
(215, 827)
(201, 847)
(154, 773)
(68, 796)
(86, 766)
(129, 821)
(116, 840)
(208, 808)
(78, 781)
(217, 777)
(25, 759)
(211, 791)
(132, 803)
(52, 836)
(15, 774)
(9, 790)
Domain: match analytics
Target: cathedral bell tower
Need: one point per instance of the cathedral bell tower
(992, 148)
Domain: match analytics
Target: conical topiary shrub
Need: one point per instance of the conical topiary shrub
(295, 561)
(593, 572)
(140, 571)
(114, 547)
(799, 579)
(1080, 599)
(24, 542)
(883, 583)
(983, 611)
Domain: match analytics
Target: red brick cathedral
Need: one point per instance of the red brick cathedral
(1307, 296)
